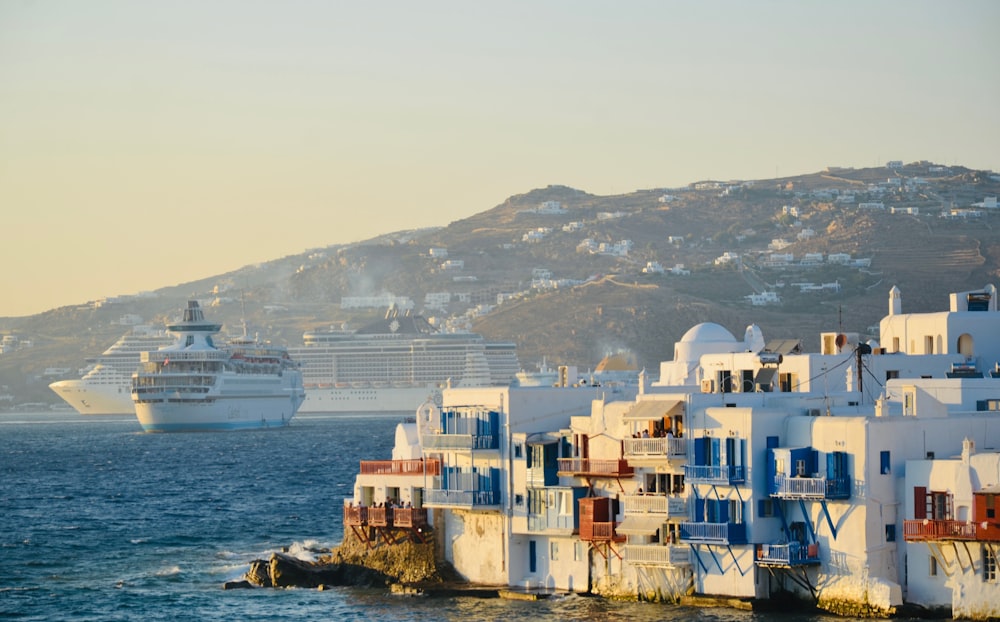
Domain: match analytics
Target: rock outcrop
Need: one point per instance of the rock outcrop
(351, 564)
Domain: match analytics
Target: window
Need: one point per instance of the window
(578, 551)
(554, 551)
(992, 404)
(991, 511)
(932, 571)
(518, 450)
(989, 564)
(519, 500)
(890, 533)
(765, 508)
(885, 462)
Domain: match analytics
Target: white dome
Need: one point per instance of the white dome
(708, 332)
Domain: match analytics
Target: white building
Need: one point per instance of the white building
(749, 470)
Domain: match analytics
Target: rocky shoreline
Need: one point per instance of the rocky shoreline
(407, 564)
(411, 569)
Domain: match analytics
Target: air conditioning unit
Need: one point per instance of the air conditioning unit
(708, 385)
(813, 412)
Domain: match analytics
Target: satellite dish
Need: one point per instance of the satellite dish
(841, 340)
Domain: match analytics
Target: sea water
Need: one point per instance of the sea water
(101, 521)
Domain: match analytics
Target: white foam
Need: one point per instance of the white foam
(169, 571)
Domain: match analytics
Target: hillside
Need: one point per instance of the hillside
(570, 268)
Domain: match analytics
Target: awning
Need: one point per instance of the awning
(651, 409)
(640, 524)
(542, 438)
(765, 375)
(784, 346)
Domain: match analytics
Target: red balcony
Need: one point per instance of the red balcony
(401, 467)
(924, 529)
(411, 518)
(355, 516)
(594, 468)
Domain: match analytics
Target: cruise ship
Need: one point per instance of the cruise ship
(105, 388)
(193, 385)
(395, 364)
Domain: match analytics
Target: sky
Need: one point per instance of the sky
(144, 143)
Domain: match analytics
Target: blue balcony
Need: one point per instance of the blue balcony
(467, 499)
(469, 488)
(463, 429)
(787, 555)
(714, 474)
(553, 509)
(714, 533)
(783, 487)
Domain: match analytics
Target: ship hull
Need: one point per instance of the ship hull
(366, 399)
(219, 414)
(95, 399)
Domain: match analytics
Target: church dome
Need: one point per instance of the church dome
(708, 332)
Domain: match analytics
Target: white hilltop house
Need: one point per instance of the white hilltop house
(763, 298)
(749, 470)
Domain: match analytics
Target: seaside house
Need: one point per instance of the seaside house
(747, 470)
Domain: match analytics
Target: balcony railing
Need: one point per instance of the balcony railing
(462, 498)
(810, 487)
(655, 504)
(380, 517)
(460, 441)
(599, 532)
(594, 468)
(657, 555)
(430, 466)
(666, 448)
(714, 533)
(714, 474)
(355, 515)
(546, 522)
(361, 516)
(409, 517)
(793, 554)
(920, 530)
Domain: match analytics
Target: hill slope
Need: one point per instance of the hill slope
(569, 268)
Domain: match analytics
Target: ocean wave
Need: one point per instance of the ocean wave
(168, 571)
(307, 550)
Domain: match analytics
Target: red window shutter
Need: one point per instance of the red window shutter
(919, 502)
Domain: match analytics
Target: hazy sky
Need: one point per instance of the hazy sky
(148, 143)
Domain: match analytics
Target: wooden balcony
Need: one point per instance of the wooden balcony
(585, 467)
(359, 516)
(355, 515)
(786, 555)
(410, 518)
(380, 517)
(599, 532)
(927, 530)
(401, 467)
